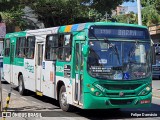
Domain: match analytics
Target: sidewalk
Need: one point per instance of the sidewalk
(156, 93)
(19, 103)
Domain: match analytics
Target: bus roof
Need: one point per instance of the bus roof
(67, 28)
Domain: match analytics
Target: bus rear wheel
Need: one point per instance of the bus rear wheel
(21, 87)
(63, 100)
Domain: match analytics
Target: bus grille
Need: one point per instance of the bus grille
(121, 102)
(115, 94)
(121, 87)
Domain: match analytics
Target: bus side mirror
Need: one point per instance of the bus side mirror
(85, 50)
(153, 55)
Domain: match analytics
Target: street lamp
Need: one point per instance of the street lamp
(139, 12)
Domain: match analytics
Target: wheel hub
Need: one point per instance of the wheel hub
(64, 98)
(20, 85)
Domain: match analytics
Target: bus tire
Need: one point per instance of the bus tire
(63, 100)
(21, 87)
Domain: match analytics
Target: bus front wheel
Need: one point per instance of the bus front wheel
(63, 100)
(21, 87)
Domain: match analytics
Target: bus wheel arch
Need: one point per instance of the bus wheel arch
(21, 87)
(59, 85)
(62, 97)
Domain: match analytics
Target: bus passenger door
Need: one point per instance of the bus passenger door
(39, 58)
(78, 72)
(11, 62)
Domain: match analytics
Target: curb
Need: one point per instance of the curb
(156, 96)
(156, 90)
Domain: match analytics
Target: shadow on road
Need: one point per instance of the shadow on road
(4, 82)
(92, 114)
(121, 113)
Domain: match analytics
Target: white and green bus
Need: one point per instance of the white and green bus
(96, 65)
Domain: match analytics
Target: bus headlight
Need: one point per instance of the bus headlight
(148, 88)
(145, 91)
(92, 89)
(96, 92)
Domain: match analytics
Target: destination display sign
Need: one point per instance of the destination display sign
(118, 32)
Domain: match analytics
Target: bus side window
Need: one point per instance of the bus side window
(60, 47)
(61, 41)
(7, 47)
(68, 46)
(64, 47)
(20, 47)
(68, 54)
(51, 47)
(30, 47)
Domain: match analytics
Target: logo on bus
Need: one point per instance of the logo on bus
(29, 67)
(59, 69)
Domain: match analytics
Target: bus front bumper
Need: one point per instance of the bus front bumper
(94, 102)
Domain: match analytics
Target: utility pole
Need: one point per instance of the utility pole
(106, 16)
(139, 12)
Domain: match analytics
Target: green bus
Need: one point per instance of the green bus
(94, 65)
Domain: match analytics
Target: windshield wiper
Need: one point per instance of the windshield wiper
(93, 34)
(132, 51)
(114, 48)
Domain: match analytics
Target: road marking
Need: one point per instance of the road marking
(156, 97)
(5, 90)
(24, 98)
(34, 102)
(13, 93)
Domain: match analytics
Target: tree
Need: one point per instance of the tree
(72, 11)
(130, 18)
(62, 12)
(0, 18)
(150, 12)
(14, 17)
(11, 11)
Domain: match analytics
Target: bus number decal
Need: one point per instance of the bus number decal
(100, 87)
(28, 67)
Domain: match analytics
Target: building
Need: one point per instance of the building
(122, 10)
(155, 33)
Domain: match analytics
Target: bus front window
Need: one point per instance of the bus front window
(158, 60)
(118, 60)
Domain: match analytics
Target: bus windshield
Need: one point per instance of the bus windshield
(157, 59)
(118, 60)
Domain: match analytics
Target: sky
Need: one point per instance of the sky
(132, 6)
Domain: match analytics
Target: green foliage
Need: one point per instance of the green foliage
(4, 5)
(150, 12)
(130, 18)
(14, 17)
(63, 12)
(107, 5)
(60, 12)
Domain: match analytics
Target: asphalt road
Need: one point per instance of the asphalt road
(47, 106)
